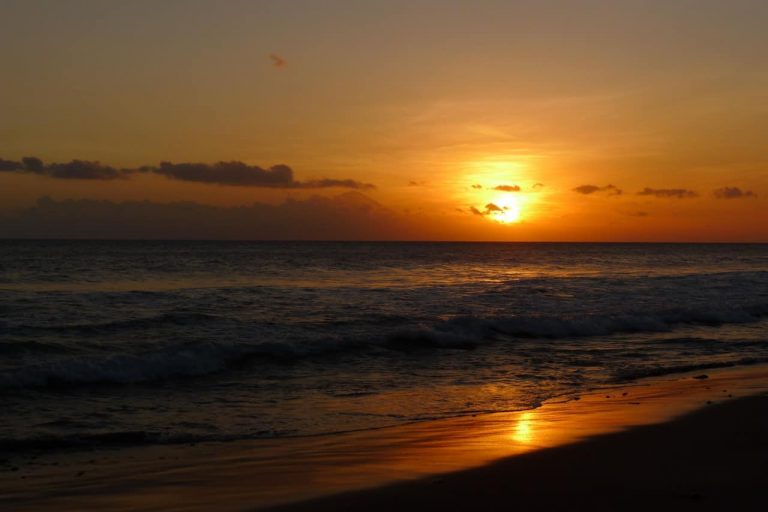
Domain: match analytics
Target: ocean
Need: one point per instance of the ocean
(136, 343)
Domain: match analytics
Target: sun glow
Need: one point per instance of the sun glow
(509, 210)
(500, 190)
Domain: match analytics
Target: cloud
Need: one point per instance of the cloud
(33, 164)
(74, 170)
(9, 165)
(233, 173)
(331, 183)
(83, 170)
(277, 61)
(611, 190)
(507, 188)
(673, 193)
(348, 216)
(236, 173)
(637, 214)
(733, 193)
(227, 173)
(475, 211)
(489, 208)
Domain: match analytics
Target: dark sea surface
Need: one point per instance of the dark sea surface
(166, 342)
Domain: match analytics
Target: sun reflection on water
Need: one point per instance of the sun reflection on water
(522, 431)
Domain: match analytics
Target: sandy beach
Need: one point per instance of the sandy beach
(713, 459)
(696, 440)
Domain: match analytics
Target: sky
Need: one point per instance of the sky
(572, 120)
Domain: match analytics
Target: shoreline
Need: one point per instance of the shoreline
(713, 458)
(265, 473)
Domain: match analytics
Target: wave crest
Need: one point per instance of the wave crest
(464, 332)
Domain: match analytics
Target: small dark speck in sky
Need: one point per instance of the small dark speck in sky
(277, 61)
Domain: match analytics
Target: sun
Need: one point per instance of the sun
(499, 189)
(509, 210)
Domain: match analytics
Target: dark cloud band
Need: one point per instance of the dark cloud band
(232, 173)
(76, 169)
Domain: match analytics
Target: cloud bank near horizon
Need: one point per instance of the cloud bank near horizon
(232, 173)
(348, 216)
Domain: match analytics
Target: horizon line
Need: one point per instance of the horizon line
(382, 241)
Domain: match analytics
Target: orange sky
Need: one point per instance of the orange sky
(436, 103)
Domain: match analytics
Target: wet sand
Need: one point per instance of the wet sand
(713, 459)
(587, 453)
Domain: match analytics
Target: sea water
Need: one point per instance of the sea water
(105, 343)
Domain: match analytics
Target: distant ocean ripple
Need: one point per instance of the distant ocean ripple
(155, 342)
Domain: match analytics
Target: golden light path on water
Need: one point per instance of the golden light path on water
(522, 430)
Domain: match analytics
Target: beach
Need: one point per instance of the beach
(693, 441)
(713, 459)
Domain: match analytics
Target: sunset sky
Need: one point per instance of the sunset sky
(483, 120)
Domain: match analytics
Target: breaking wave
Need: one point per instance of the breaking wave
(460, 333)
